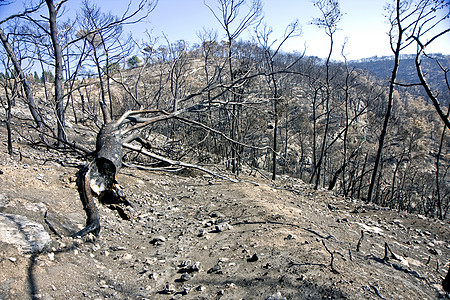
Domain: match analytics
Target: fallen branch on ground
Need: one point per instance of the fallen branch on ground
(332, 258)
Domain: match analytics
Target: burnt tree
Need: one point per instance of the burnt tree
(98, 177)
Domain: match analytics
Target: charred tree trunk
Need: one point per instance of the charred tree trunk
(438, 186)
(8, 124)
(396, 48)
(28, 93)
(59, 84)
(446, 282)
(98, 177)
(341, 170)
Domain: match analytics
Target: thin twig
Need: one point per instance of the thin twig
(377, 292)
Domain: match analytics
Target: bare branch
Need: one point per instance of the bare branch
(24, 13)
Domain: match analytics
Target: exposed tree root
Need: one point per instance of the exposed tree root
(92, 216)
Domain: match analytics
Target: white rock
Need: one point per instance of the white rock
(27, 235)
(276, 296)
(127, 256)
(51, 256)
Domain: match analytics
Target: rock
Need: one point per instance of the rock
(168, 289)
(434, 251)
(446, 282)
(127, 256)
(90, 238)
(267, 266)
(332, 207)
(209, 223)
(230, 285)
(185, 277)
(51, 256)
(215, 269)
(222, 227)
(195, 267)
(200, 288)
(117, 248)
(276, 296)
(186, 290)
(253, 258)
(185, 263)
(158, 240)
(27, 235)
(187, 268)
(290, 237)
(216, 214)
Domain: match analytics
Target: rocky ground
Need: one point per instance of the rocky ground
(192, 236)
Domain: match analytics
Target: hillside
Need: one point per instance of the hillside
(192, 236)
(145, 168)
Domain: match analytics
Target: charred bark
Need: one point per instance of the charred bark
(341, 170)
(446, 282)
(59, 80)
(98, 178)
(92, 216)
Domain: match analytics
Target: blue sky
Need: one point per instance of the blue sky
(363, 24)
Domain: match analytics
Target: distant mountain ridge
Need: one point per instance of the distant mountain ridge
(381, 67)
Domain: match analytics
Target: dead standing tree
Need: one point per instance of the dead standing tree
(271, 49)
(17, 66)
(235, 17)
(396, 35)
(329, 20)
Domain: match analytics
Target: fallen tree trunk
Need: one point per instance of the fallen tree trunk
(98, 177)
